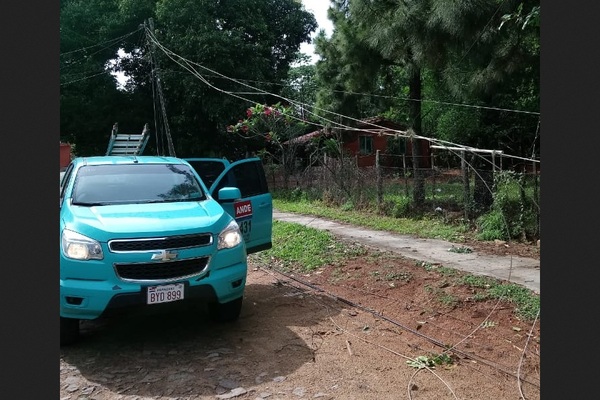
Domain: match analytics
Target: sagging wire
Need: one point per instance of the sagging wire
(340, 328)
(189, 66)
(396, 323)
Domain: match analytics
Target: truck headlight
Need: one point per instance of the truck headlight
(79, 247)
(230, 236)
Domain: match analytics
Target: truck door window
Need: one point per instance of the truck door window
(249, 177)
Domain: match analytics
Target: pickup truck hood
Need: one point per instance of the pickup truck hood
(146, 220)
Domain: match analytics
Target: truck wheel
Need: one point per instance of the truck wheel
(225, 312)
(69, 330)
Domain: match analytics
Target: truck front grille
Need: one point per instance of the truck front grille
(161, 271)
(163, 243)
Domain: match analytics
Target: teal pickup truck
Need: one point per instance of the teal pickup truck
(136, 231)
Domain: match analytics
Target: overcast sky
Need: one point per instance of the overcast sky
(319, 9)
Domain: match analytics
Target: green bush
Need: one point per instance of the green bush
(513, 214)
(492, 226)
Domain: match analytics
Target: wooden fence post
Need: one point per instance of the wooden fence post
(404, 174)
(379, 181)
(466, 189)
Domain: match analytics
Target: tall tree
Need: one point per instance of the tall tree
(456, 41)
(252, 41)
(91, 34)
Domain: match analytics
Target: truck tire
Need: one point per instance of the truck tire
(69, 331)
(225, 312)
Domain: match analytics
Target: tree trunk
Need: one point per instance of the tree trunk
(483, 189)
(415, 122)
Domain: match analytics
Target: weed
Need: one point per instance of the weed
(444, 298)
(448, 299)
(514, 213)
(480, 297)
(461, 249)
(398, 276)
(437, 267)
(443, 358)
(392, 276)
(428, 266)
(430, 361)
(421, 362)
(488, 324)
(477, 281)
(445, 271)
(527, 303)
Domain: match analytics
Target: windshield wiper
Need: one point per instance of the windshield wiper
(90, 204)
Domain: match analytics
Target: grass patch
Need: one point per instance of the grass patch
(403, 276)
(527, 303)
(442, 296)
(298, 247)
(440, 269)
(425, 227)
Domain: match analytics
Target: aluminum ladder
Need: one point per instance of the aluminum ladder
(122, 144)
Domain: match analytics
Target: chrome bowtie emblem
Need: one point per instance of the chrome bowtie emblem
(164, 255)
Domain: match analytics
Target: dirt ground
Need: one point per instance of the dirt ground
(350, 331)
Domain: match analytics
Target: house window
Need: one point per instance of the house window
(366, 144)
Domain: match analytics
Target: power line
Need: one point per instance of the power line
(111, 41)
(191, 67)
(389, 97)
(238, 80)
(85, 78)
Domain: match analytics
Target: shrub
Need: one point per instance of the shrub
(513, 214)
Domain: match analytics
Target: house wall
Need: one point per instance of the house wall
(352, 143)
(352, 146)
(65, 155)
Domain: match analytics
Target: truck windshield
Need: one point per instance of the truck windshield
(135, 184)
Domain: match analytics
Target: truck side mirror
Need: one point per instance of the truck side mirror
(229, 194)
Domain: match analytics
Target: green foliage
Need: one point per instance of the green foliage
(514, 212)
(301, 86)
(492, 226)
(458, 125)
(91, 33)
(522, 20)
(245, 39)
(364, 71)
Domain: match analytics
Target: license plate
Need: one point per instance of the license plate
(165, 293)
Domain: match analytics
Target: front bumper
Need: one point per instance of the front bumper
(91, 298)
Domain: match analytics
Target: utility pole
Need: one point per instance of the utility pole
(156, 79)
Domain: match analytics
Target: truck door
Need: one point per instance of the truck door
(254, 211)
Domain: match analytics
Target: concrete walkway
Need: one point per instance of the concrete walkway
(519, 270)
